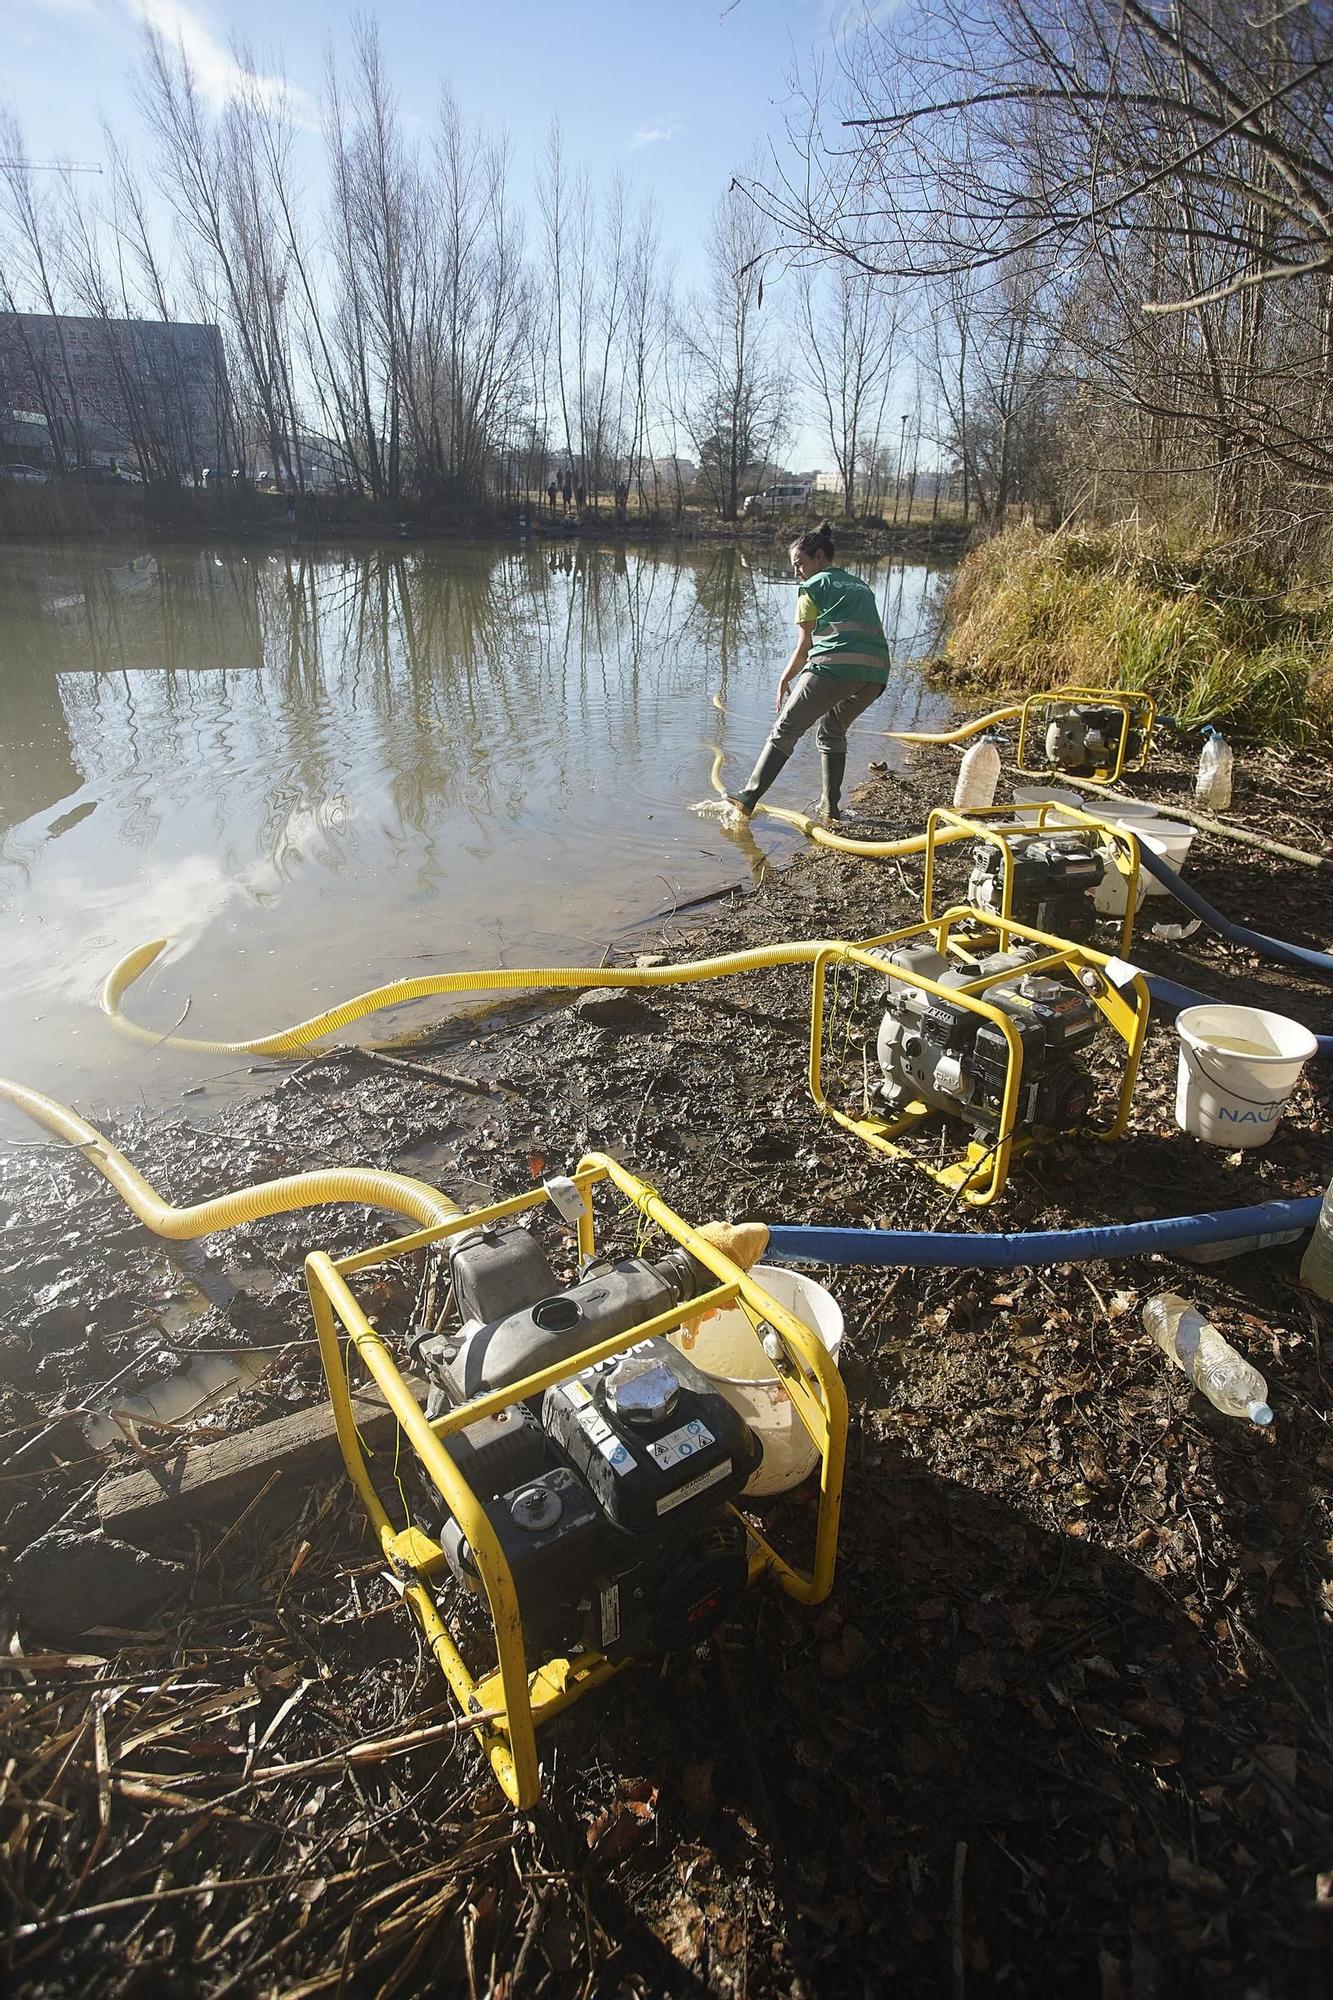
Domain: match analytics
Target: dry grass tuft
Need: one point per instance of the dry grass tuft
(1210, 630)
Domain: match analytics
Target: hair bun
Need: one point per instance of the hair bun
(817, 542)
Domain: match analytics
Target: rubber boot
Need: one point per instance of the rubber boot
(834, 763)
(771, 761)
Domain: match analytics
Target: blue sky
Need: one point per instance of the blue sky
(674, 94)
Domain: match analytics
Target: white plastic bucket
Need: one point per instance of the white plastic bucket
(1109, 895)
(1035, 795)
(1099, 805)
(1170, 838)
(1237, 1068)
(1113, 806)
(727, 1348)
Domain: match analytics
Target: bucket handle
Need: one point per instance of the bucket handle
(1191, 1055)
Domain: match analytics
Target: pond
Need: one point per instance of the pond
(318, 770)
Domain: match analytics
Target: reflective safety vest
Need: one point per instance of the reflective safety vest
(849, 637)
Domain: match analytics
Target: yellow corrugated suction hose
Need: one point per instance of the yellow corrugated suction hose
(367, 1186)
(568, 978)
(958, 735)
(289, 1041)
(842, 843)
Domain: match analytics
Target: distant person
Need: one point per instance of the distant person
(291, 506)
(622, 497)
(579, 496)
(839, 665)
(551, 492)
(568, 491)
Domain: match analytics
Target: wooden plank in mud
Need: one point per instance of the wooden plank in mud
(218, 1478)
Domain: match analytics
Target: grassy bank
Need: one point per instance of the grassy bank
(1213, 632)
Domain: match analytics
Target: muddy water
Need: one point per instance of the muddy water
(318, 770)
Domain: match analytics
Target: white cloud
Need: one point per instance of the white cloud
(844, 20)
(649, 135)
(220, 77)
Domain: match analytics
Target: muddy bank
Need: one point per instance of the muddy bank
(1066, 1723)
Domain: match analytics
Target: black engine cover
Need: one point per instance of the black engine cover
(677, 1593)
(694, 1455)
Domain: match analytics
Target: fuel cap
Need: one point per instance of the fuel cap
(535, 1508)
(1033, 986)
(642, 1392)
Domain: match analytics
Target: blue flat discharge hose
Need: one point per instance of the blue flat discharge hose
(1304, 957)
(797, 1243)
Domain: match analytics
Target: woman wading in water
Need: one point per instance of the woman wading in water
(838, 667)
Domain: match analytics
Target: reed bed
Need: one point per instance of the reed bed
(1212, 631)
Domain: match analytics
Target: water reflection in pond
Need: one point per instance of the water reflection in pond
(317, 771)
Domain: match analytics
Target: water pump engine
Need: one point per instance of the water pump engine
(1054, 879)
(1087, 737)
(607, 1491)
(941, 1053)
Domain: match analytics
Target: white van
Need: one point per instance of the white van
(789, 498)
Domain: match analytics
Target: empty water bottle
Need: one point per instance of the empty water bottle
(1212, 1364)
(1212, 786)
(978, 775)
(1317, 1263)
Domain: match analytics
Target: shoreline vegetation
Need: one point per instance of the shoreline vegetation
(72, 512)
(1218, 630)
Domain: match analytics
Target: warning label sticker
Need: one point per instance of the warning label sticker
(618, 1456)
(686, 1442)
(693, 1486)
(595, 1427)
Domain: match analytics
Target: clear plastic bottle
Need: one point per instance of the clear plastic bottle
(978, 775)
(1213, 1365)
(1317, 1263)
(1212, 786)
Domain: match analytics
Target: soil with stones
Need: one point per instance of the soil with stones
(1065, 1724)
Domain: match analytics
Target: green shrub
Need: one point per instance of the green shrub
(1210, 631)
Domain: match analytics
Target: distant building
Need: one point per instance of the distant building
(322, 465)
(672, 473)
(149, 395)
(24, 438)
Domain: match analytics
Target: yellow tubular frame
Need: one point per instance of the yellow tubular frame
(1138, 710)
(508, 1702)
(981, 1174)
(944, 826)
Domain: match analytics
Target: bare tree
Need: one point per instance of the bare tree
(645, 344)
(1152, 165)
(32, 266)
(211, 173)
(850, 321)
(736, 392)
